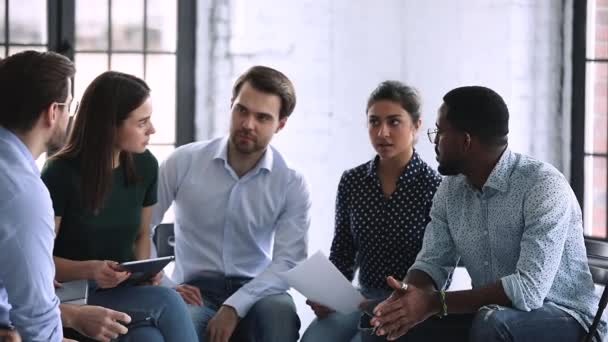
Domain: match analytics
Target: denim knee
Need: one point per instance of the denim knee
(166, 295)
(489, 325)
(276, 308)
(335, 327)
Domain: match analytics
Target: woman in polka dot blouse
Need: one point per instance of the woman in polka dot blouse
(382, 208)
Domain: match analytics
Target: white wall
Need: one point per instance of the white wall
(337, 51)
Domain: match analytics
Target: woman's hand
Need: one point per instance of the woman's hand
(108, 274)
(321, 311)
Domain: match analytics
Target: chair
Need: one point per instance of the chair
(164, 239)
(597, 254)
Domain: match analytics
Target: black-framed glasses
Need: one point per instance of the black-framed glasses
(432, 134)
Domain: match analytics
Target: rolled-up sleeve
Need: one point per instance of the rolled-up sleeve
(438, 256)
(290, 248)
(549, 212)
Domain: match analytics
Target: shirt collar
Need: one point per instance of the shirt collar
(499, 177)
(23, 150)
(412, 168)
(266, 162)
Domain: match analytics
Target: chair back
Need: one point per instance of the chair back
(164, 239)
(597, 255)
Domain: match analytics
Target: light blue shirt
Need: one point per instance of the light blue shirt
(254, 226)
(27, 233)
(524, 229)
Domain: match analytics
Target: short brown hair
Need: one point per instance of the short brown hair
(30, 82)
(271, 81)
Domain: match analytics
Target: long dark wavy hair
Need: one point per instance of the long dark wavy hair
(105, 105)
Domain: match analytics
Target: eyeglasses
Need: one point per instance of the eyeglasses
(69, 105)
(432, 134)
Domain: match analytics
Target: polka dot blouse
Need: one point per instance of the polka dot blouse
(381, 236)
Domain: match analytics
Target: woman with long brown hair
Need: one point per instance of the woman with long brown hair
(103, 185)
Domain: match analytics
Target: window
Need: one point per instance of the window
(23, 26)
(589, 114)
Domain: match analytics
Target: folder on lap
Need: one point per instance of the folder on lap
(73, 292)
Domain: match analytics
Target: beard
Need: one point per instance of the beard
(249, 147)
(450, 167)
(57, 141)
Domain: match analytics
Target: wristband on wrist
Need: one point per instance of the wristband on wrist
(442, 303)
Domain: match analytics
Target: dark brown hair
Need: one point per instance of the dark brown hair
(395, 91)
(30, 82)
(271, 81)
(105, 105)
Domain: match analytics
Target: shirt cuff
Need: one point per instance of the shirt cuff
(436, 273)
(241, 302)
(512, 287)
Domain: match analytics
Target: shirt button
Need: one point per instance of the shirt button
(486, 263)
(485, 233)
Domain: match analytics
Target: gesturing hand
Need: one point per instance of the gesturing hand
(100, 323)
(406, 307)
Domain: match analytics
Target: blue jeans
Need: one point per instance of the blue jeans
(335, 327)
(338, 326)
(167, 313)
(497, 323)
(271, 319)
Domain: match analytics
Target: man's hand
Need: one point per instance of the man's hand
(320, 311)
(404, 309)
(9, 335)
(107, 274)
(96, 322)
(222, 325)
(190, 294)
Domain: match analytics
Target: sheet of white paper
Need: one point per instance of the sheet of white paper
(320, 281)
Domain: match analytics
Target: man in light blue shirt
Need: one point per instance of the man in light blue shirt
(27, 232)
(241, 218)
(516, 226)
(35, 96)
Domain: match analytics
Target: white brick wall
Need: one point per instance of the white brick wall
(337, 51)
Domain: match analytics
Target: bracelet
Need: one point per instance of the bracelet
(444, 306)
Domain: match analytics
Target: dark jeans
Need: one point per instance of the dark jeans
(271, 319)
(495, 323)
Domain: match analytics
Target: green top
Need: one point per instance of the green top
(111, 234)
